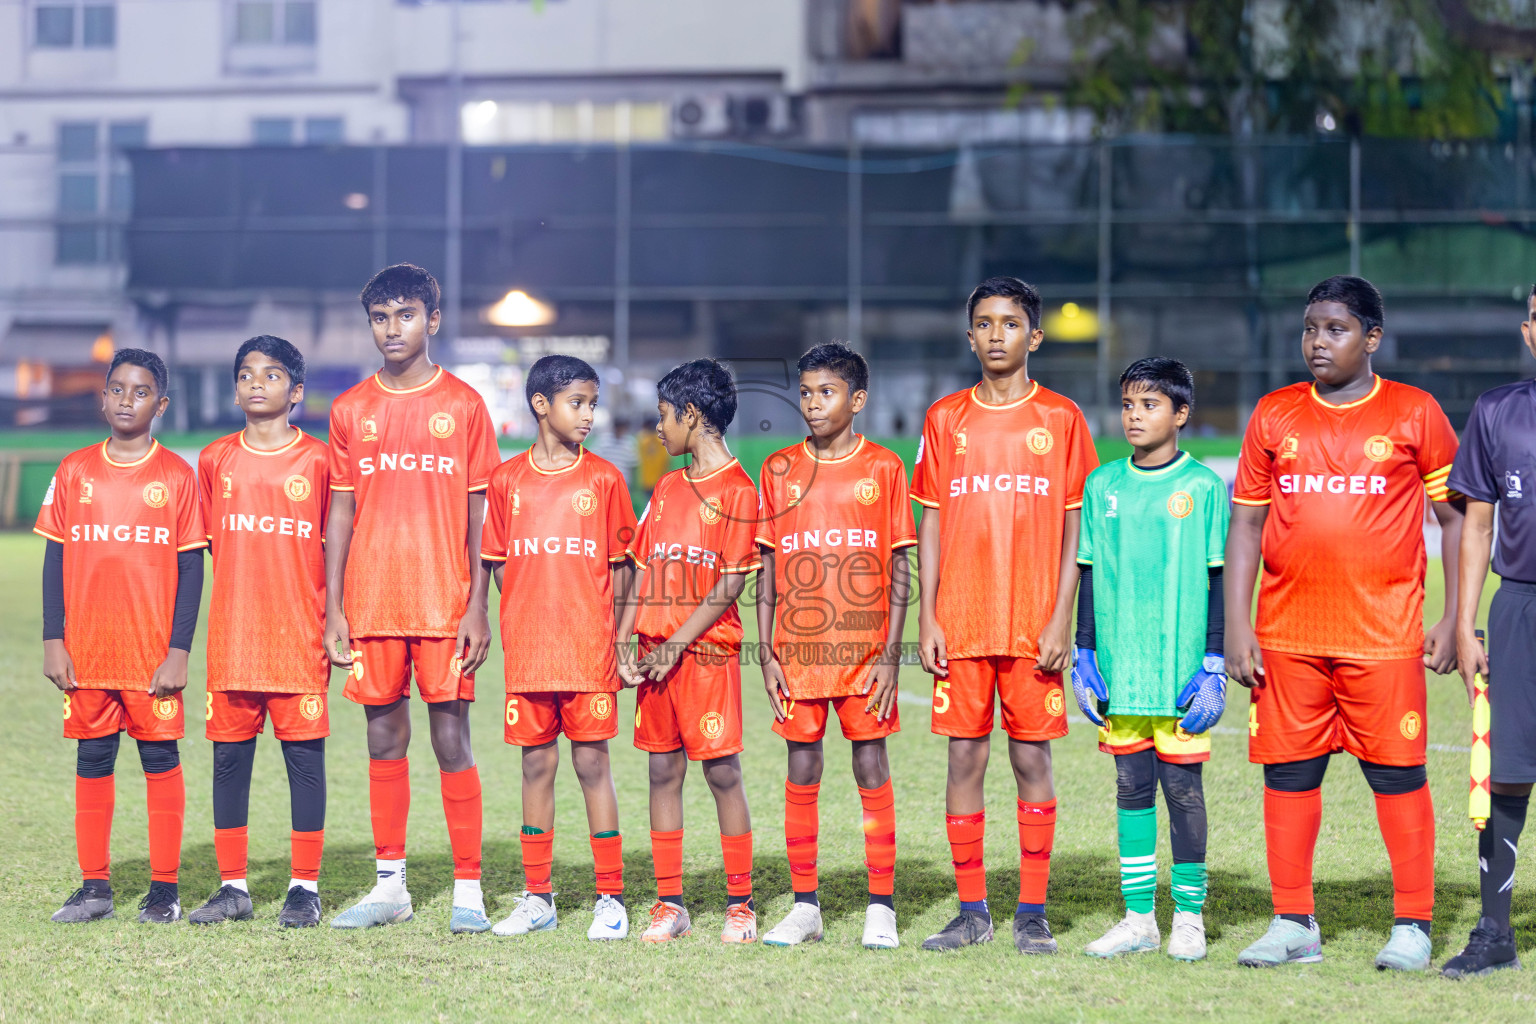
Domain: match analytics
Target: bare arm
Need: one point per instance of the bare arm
(338, 544)
(1055, 643)
(474, 640)
(882, 683)
(1440, 639)
(1474, 554)
(1245, 663)
(774, 681)
(659, 662)
(931, 645)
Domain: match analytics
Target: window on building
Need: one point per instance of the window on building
(71, 25)
(492, 123)
(324, 131)
(274, 23)
(95, 188)
(272, 131)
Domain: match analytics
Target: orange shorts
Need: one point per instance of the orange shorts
(1034, 705)
(1311, 706)
(238, 715)
(92, 714)
(697, 707)
(382, 668)
(534, 719)
(805, 721)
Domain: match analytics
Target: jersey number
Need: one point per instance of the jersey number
(940, 696)
(68, 709)
(208, 712)
(511, 710)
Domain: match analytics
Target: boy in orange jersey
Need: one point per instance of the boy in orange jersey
(557, 524)
(835, 526)
(1330, 490)
(122, 581)
(265, 492)
(412, 450)
(692, 551)
(1000, 473)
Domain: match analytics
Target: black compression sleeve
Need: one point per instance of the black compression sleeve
(189, 595)
(53, 591)
(1085, 606)
(1215, 614)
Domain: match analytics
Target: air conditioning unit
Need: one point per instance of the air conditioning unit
(764, 114)
(702, 116)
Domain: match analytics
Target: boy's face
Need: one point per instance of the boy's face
(673, 428)
(826, 404)
(130, 401)
(1337, 349)
(401, 328)
(1001, 336)
(263, 389)
(1528, 328)
(568, 415)
(1149, 417)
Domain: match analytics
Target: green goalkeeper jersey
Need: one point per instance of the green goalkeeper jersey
(1151, 538)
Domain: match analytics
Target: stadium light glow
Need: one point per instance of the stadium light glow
(519, 309)
(1071, 323)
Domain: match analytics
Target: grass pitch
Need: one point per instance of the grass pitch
(122, 970)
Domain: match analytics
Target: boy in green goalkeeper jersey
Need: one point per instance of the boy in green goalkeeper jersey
(1149, 670)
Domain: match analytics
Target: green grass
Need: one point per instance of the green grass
(417, 971)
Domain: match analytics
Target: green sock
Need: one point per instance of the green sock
(1138, 858)
(1189, 887)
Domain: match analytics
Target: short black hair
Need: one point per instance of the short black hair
(840, 360)
(149, 361)
(291, 359)
(553, 374)
(1026, 295)
(403, 281)
(707, 385)
(1357, 295)
(1168, 377)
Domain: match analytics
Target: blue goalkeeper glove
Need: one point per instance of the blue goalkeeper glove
(1088, 686)
(1204, 697)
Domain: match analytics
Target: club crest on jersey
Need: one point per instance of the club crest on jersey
(1410, 725)
(357, 668)
(517, 501)
(441, 424)
(1040, 441)
(370, 429)
(297, 487)
(1180, 504)
(1378, 448)
(1290, 446)
(1513, 486)
(600, 706)
(228, 480)
(712, 725)
(164, 708)
(1111, 506)
(867, 491)
(156, 494)
(584, 502)
(959, 442)
(794, 495)
(1055, 702)
(85, 492)
(711, 510)
(312, 706)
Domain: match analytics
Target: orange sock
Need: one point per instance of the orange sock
(538, 861)
(94, 802)
(667, 858)
(608, 864)
(461, 806)
(880, 838)
(389, 802)
(229, 849)
(166, 794)
(801, 823)
(1291, 821)
(737, 851)
(1037, 834)
(1407, 823)
(967, 839)
(307, 848)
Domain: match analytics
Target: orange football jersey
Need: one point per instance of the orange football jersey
(1003, 478)
(691, 533)
(121, 524)
(1343, 544)
(412, 458)
(834, 526)
(265, 515)
(560, 532)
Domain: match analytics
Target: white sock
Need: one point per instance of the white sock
(391, 874)
(305, 883)
(238, 883)
(467, 894)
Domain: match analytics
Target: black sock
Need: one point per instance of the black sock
(617, 897)
(1496, 848)
(232, 782)
(675, 899)
(97, 886)
(174, 891)
(547, 897)
(1305, 920)
(1422, 926)
(883, 900)
(731, 901)
(305, 760)
(808, 897)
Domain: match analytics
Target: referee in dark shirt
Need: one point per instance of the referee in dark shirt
(1496, 470)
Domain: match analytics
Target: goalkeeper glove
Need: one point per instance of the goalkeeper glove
(1088, 686)
(1204, 697)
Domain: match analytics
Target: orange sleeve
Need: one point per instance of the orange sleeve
(739, 549)
(767, 533)
(493, 536)
(190, 534)
(205, 475)
(50, 518)
(640, 541)
(903, 529)
(1255, 464)
(621, 519)
(1437, 451)
(1082, 459)
(323, 479)
(340, 463)
(925, 470)
(484, 456)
